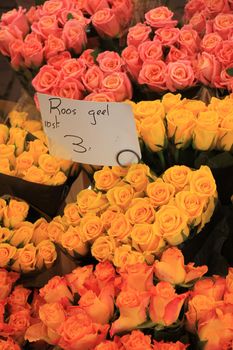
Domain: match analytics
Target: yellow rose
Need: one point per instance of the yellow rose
(3, 205)
(41, 136)
(145, 109)
(205, 133)
(55, 229)
(23, 162)
(121, 196)
(178, 176)
(121, 255)
(41, 227)
(138, 124)
(138, 177)
(135, 258)
(91, 227)
(17, 119)
(170, 101)
(91, 202)
(225, 139)
(5, 167)
(171, 224)
(32, 125)
(180, 125)
(65, 165)
(15, 212)
(105, 179)
(46, 254)
(5, 234)
(109, 215)
(192, 204)
(25, 259)
(153, 133)
(8, 152)
(103, 248)
(160, 192)
(36, 148)
(4, 133)
(120, 228)
(49, 164)
(195, 106)
(202, 182)
(120, 171)
(22, 234)
(72, 240)
(71, 214)
(222, 107)
(37, 175)
(57, 180)
(144, 239)
(140, 211)
(7, 252)
(17, 138)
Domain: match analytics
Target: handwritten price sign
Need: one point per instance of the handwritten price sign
(99, 133)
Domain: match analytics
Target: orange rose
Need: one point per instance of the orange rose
(132, 306)
(71, 214)
(40, 231)
(145, 239)
(52, 315)
(78, 279)
(169, 346)
(178, 176)
(202, 182)
(160, 192)
(103, 248)
(100, 308)
(140, 211)
(7, 280)
(91, 227)
(55, 290)
(15, 213)
(5, 167)
(55, 229)
(105, 179)
(46, 254)
(25, 259)
(120, 228)
(213, 287)
(121, 196)
(229, 280)
(136, 341)
(5, 234)
(107, 345)
(18, 299)
(3, 205)
(105, 273)
(72, 240)
(194, 273)
(7, 252)
(8, 344)
(90, 201)
(138, 177)
(165, 304)
(109, 215)
(138, 277)
(36, 148)
(19, 321)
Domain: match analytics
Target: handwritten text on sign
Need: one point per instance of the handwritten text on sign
(99, 133)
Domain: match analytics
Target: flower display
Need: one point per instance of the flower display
(131, 216)
(24, 246)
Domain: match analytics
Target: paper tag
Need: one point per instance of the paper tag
(98, 133)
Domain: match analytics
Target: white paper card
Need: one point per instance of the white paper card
(98, 133)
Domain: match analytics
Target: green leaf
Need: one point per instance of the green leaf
(70, 16)
(230, 71)
(146, 325)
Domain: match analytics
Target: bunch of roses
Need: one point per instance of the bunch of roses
(183, 122)
(131, 217)
(159, 54)
(78, 310)
(210, 311)
(213, 20)
(26, 159)
(101, 80)
(29, 38)
(24, 246)
(16, 313)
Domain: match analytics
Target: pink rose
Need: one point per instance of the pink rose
(87, 57)
(101, 97)
(224, 52)
(230, 2)
(73, 68)
(214, 7)
(16, 48)
(74, 36)
(180, 75)
(53, 46)
(16, 18)
(210, 42)
(109, 62)
(192, 7)
(92, 6)
(77, 15)
(208, 68)
(52, 7)
(225, 81)
(33, 53)
(92, 79)
(223, 25)
(167, 36)
(189, 39)
(119, 84)
(150, 51)
(33, 14)
(132, 60)
(45, 26)
(46, 79)
(106, 23)
(68, 88)
(160, 17)
(58, 60)
(177, 55)
(7, 37)
(198, 22)
(154, 75)
(123, 9)
(138, 34)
